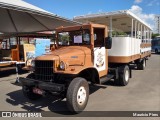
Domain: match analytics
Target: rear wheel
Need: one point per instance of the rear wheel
(156, 51)
(28, 90)
(77, 95)
(141, 65)
(124, 75)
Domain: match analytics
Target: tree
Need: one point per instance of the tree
(155, 35)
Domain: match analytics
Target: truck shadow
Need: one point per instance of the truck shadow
(54, 104)
(17, 98)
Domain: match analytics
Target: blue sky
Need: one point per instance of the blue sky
(71, 8)
(145, 9)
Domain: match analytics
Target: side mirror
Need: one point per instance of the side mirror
(108, 42)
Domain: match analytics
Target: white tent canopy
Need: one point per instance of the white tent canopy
(19, 16)
(118, 20)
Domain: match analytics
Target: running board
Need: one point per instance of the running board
(106, 78)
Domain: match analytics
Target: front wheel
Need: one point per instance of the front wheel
(77, 95)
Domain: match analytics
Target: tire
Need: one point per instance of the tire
(77, 95)
(141, 65)
(28, 90)
(156, 51)
(124, 75)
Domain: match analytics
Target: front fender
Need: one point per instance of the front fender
(81, 71)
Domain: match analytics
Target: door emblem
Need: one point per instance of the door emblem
(100, 60)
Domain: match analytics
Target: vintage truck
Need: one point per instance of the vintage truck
(80, 58)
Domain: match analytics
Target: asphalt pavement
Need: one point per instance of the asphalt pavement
(141, 94)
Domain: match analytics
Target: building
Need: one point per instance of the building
(157, 23)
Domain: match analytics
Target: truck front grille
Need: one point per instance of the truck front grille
(44, 70)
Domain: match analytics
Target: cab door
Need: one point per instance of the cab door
(100, 52)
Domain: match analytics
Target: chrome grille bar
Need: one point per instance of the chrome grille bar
(44, 70)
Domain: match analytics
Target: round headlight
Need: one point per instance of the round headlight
(33, 63)
(62, 65)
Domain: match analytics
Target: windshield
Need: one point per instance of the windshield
(80, 37)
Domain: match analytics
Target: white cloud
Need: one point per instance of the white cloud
(90, 12)
(148, 18)
(153, 2)
(138, 1)
(100, 11)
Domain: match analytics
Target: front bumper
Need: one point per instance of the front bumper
(46, 86)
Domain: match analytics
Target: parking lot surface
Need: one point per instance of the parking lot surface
(141, 94)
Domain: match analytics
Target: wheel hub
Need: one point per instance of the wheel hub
(81, 95)
(127, 75)
(144, 63)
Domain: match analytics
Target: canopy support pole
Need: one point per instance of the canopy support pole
(110, 26)
(132, 29)
(141, 32)
(135, 31)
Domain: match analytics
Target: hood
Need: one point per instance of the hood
(72, 55)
